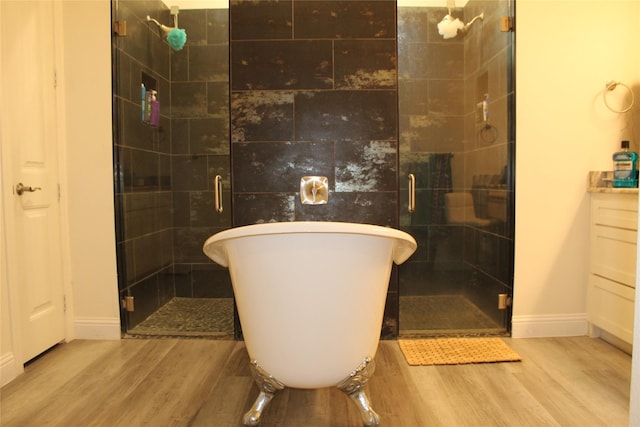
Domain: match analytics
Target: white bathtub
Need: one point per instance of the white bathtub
(310, 298)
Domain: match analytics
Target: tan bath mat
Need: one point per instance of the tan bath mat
(456, 351)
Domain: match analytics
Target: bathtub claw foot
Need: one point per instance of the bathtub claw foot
(268, 386)
(252, 417)
(353, 386)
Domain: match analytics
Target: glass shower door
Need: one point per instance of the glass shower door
(456, 167)
(166, 170)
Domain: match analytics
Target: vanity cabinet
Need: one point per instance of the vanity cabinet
(612, 275)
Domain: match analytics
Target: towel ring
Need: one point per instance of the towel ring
(611, 86)
(488, 133)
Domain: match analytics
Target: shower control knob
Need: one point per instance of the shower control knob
(21, 188)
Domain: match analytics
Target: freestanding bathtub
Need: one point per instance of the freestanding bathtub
(311, 298)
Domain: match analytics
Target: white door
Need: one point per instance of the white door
(29, 136)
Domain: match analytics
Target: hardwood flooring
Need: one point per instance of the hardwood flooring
(180, 382)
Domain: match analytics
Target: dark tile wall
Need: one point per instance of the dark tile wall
(440, 83)
(164, 175)
(314, 92)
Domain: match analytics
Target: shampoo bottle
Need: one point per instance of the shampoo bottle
(144, 99)
(154, 118)
(625, 167)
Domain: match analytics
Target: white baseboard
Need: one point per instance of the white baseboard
(101, 328)
(560, 325)
(9, 369)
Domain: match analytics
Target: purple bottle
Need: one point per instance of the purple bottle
(154, 117)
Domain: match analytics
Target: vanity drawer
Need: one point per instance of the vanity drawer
(613, 254)
(615, 210)
(611, 307)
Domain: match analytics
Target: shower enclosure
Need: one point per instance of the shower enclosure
(456, 173)
(165, 170)
(367, 93)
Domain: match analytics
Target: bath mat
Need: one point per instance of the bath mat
(456, 351)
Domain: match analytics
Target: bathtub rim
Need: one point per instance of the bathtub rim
(404, 248)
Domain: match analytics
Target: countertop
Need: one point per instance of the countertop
(602, 182)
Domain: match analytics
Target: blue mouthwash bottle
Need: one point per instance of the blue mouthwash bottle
(625, 167)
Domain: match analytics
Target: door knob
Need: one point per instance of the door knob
(21, 188)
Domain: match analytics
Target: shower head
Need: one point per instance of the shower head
(449, 26)
(175, 36)
(164, 28)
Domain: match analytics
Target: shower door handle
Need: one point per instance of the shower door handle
(217, 193)
(412, 193)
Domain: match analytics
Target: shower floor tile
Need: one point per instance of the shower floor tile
(189, 317)
(444, 315)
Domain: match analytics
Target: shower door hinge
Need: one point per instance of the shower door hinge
(120, 28)
(504, 301)
(127, 303)
(507, 24)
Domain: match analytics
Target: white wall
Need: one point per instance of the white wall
(89, 169)
(565, 52)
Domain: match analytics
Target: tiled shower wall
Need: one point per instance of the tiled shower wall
(489, 157)
(142, 160)
(314, 92)
(200, 149)
(440, 83)
(164, 175)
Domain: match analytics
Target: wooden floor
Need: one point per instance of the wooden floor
(560, 382)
